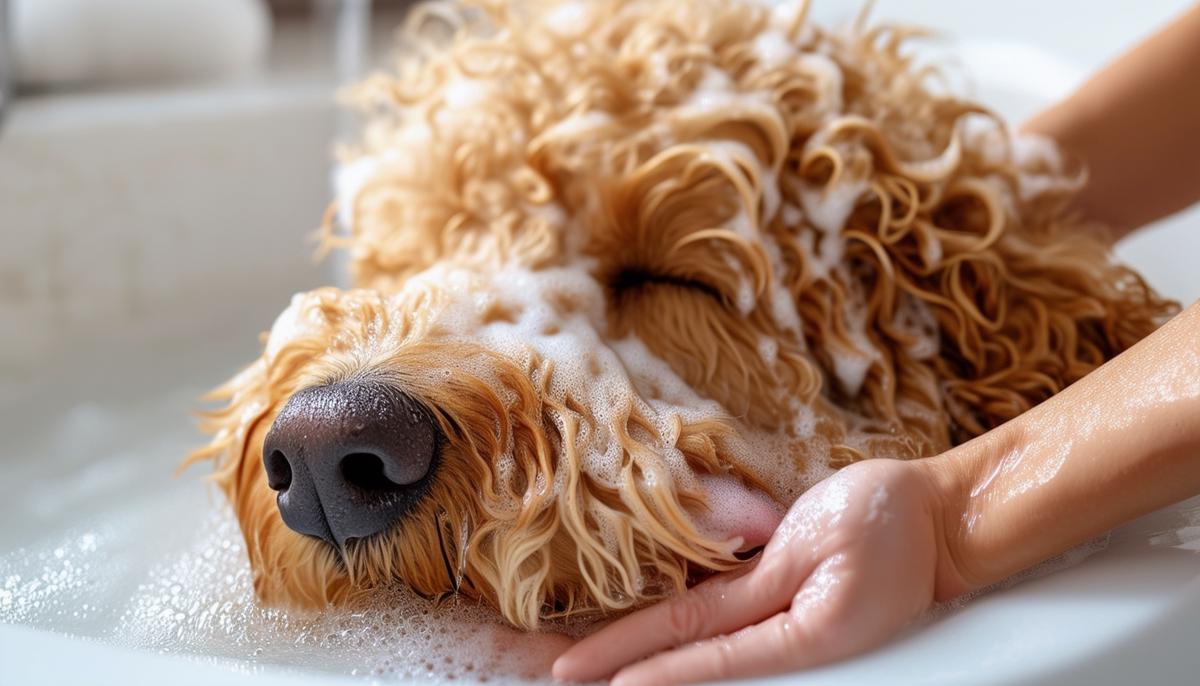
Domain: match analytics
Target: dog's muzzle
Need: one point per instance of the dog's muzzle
(349, 459)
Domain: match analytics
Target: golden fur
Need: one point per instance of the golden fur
(684, 159)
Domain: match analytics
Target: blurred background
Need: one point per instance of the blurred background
(164, 165)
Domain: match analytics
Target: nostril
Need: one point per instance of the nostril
(279, 472)
(366, 471)
(350, 458)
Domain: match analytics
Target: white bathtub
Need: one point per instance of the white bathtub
(147, 239)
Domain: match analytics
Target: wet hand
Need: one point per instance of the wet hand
(853, 561)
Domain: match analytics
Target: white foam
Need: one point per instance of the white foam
(772, 199)
(1031, 150)
(577, 125)
(829, 207)
(987, 137)
(610, 378)
(1041, 167)
(781, 302)
(717, 94)
(197, 598)
(829, 81)
(792, 215)
(744, 298)
(464, 93)
(1032, 186)
(569, 18)
(773, 49)
(851, 363)
(715, 87)
(768, 350)
(850, 367)
(914, 318)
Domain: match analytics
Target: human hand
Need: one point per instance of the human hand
(853, 561)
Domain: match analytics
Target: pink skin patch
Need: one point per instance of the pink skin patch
(737, 511)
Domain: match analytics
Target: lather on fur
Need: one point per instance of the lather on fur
(613, 247)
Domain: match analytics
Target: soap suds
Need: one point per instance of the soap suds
(197, 599)
(772, 49)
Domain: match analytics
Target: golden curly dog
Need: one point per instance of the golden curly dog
(629, 277)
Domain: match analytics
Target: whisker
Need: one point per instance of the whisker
(445, 556)
(464, 542)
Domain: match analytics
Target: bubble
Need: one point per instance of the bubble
(197, 599)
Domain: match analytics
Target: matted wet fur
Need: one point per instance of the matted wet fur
(614, 246)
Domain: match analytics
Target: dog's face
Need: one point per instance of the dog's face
(631, 276)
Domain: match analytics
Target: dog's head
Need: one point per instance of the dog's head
(631, 273)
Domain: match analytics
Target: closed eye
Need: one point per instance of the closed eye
(633, 281)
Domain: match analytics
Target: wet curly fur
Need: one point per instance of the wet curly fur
(613, 246)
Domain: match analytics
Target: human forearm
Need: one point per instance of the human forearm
(1136, 125)
(1123, 441)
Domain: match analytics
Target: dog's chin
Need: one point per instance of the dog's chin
(738, 513)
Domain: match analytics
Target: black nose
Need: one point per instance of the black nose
(349, 459)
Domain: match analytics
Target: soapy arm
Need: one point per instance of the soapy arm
(1119, 443)
(1136, 126)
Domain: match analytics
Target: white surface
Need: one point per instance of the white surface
(135, 224)
(147, 240)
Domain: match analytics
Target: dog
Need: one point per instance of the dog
(628, 278)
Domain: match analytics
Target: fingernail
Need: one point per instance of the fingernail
(620, 679)
(556, 672)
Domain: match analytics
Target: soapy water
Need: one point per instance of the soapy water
(198, 600)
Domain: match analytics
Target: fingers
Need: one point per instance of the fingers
(831, 618)
(778, 644)
(722, 604)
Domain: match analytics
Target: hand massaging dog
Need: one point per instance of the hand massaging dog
(629, 277)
